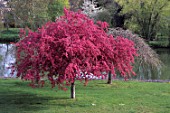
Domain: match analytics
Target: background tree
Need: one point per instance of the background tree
(146, 15)
(164, 26)
(1, 26)
(8, 19)
(75, 4)
(91, 9)
(34, 13)
(111, 13)
(29, 13)
(71, 51)
(55, 8)
(113, 8)
(4, 13)
(147, 59)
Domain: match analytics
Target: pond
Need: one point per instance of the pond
(164, 54)
(7, 56)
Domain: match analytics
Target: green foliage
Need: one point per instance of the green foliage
(97, 97)
(31, 13)
(104, 16)
(34, 13)
(147, 16)
(164, 27)
(55, 8)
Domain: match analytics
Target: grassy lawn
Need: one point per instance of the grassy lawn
(10, 35)
(161, 42)
(97, 97)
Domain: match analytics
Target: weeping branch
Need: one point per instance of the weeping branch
(147, 56)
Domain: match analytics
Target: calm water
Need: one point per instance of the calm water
(165, 57)
(7, 56)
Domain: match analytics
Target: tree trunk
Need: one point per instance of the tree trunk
(73, 91)
(109, 78)
(37, 81)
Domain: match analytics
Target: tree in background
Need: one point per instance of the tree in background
(71, 48)
(92, 9)
(111, 13)
(55, 8)
(1, 24)
(164, 26)
(147, 59)
(8, 19)
(34, 13)
(30, 13)
(146, 15)
(75, 4)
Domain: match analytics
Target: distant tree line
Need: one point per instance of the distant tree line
(33, 13)
(148, 19)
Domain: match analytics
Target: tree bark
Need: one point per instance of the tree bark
(109, 78)
(73, 91)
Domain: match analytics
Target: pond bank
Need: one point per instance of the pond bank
(10, 35)
(160, 43)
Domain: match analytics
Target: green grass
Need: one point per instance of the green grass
(10, 35)
(161, 42)
(97, 97)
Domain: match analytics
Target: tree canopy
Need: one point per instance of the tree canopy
(147, 15)
(71, 46)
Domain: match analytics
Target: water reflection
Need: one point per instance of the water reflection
(7, 56)
(165, 57)
(146, 72)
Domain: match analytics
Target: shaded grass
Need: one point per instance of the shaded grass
(162, 42)
(10, 35)
(97, 97)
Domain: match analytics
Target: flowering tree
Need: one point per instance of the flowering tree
(69, 47)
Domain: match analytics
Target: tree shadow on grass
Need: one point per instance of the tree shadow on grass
(18, 101)
(14, 101)
(21, 102)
